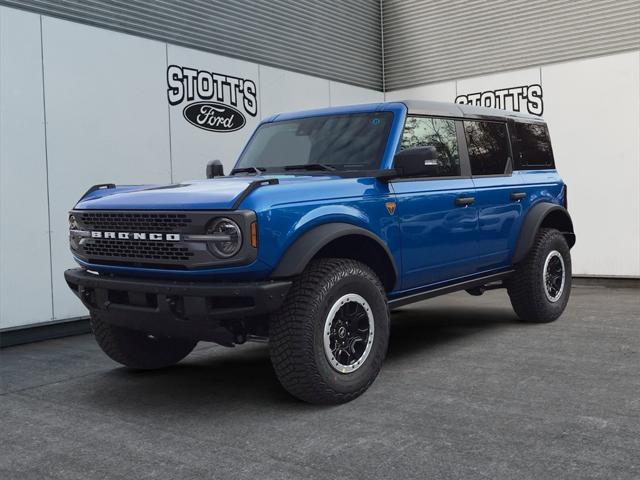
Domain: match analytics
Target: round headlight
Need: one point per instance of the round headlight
(227, 237)
(73, 223)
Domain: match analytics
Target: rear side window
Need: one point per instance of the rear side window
(488, 145)
(533, 146)
(439, 133)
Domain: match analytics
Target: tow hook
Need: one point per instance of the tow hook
(477, 291)
(176, 304)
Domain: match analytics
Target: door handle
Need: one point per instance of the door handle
(515, 196)
(464, 201)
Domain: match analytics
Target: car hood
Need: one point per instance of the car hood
(218, 193)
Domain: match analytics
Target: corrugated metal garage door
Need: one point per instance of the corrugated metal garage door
(335, 39)
(431, 41)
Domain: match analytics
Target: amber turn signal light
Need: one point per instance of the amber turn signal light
(254, 235)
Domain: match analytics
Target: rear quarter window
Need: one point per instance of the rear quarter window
(532, 146)
(488, 146)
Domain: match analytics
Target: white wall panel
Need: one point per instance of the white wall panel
(500, 81)
(592, 107)
(107, 121)
(343, 94)
(278, 91)
(25, 274)
(439, 92)
(593, 111)
(193, 147)
(448, 91)
(283, 91)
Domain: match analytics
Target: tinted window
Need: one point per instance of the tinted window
(533, 145)
(488, 145)
(439, 133)
(354, 141)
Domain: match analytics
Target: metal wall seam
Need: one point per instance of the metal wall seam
(439, 40)
(424, 42)
(336, 40)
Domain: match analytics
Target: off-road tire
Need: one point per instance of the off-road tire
(136, 349)
(296, 332)
(526, 287)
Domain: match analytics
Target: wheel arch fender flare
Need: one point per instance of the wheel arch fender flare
(304, 249)
(541, 215)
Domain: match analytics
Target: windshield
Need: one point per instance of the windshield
(333, 142)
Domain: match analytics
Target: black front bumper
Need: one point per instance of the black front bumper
(176, 308)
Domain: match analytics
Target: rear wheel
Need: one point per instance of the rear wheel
(136, 349)
(329, 339)
(540, 288)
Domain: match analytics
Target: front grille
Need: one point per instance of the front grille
(134, 221)
(174, 253)
(139, 250)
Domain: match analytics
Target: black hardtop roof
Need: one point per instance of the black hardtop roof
(458, 110)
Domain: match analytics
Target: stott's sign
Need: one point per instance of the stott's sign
(223, 100)
(526, 98)
(213, 116)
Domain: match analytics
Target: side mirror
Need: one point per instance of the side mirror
(215, 169)
(417, 161)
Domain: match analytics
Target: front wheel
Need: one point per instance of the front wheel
(330, 337)
(540, 288)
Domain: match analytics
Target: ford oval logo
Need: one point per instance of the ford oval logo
(215, 117)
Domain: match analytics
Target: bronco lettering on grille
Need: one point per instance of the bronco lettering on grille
(169, 237)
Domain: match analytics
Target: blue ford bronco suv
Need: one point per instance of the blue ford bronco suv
(329, 219)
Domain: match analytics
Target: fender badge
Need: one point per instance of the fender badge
(391, 207)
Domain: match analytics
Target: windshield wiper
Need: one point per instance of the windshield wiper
(311, 166)
(256, 170)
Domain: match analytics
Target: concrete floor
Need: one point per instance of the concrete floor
(466, 392)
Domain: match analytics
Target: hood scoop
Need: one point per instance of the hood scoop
(225, 193)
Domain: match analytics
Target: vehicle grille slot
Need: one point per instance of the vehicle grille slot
(130, 221)
(137, 250)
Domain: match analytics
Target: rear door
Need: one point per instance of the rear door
(437, 216)
(500, 196)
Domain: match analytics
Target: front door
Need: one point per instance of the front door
(437, 214)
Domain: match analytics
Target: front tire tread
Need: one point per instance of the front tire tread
(292, 330)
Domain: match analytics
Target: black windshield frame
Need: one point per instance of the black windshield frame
(352, 140)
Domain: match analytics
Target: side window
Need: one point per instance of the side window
(439, 133)
(533, 146)
(488, 145)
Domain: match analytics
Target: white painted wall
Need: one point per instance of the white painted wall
(343, 94)
(107, 121)
(278, 91)
(104, 103)
(592, 107)
(192, 147)
(291, 91)
(25, 270)
(593, 110)
(438, 92)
